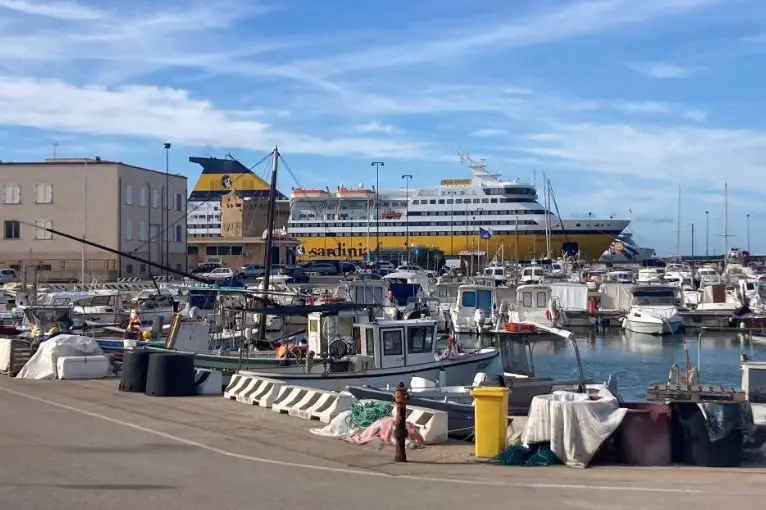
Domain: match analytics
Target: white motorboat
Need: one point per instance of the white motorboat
(533, 273)
(474, 308)
(653, 311)
(534, 303)
(650, 276)
(383, 353)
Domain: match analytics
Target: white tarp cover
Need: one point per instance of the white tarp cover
(570, 296)
(575, 425)
(616, 296)
(42, 364)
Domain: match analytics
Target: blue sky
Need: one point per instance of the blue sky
(618, 102)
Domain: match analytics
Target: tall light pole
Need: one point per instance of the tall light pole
(707, 233)
(167, 146)
(748, 233)
(407, 178)
(377, 165)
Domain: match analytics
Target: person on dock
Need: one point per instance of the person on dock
(133, 329)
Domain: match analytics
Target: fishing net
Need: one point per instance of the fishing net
(518, 455)
(364, 414)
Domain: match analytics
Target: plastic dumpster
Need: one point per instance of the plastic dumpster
(490, 420)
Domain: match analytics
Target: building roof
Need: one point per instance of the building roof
(83, 161)
(221, 176)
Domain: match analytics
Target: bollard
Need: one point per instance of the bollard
(400, 427)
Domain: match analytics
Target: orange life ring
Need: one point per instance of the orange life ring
(556, 314)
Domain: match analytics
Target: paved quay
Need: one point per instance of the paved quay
(84, 445)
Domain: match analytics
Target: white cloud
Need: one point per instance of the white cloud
(660, 154)
(488, 133)
(374, 127)
(575, 19)
(644, 107)
(166, 113)
(63, 10)
(695, 115)
(662, 70)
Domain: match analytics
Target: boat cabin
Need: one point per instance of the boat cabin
(325, 330)
(390, 344)
(620, 277)
(533, 296)
(471, 297)
(404, 285)
(653, 295)
(532, 274)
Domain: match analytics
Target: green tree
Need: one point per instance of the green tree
(427, 258)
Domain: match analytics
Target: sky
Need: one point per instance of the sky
(618, 102)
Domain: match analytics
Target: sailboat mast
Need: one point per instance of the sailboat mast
(678, 228)
(725, 222)
(269, 238)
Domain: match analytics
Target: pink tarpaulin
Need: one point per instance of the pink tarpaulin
(383, 431)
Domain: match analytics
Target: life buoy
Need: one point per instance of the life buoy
(556, 315)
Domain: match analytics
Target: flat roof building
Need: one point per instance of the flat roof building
(120, 206)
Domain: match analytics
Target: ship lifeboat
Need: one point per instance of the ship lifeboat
(518, 327)
(354, 192)
(301, 192)
(390, 214)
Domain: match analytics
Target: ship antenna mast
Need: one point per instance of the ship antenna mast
(479, 168)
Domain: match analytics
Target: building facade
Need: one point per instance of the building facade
(123, 207)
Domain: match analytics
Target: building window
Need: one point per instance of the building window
(128, 195)
(142, 197)
(128, 230)
(142, 268)
(179, 202)
(11, 194)
(179, 233)
(41, 231)
(129, 268)
(43, 193)
(155, 198)
(12, 229)
(142, 231)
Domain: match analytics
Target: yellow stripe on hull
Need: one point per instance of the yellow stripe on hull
(526, 246)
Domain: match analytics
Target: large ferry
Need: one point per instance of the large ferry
(482, 216)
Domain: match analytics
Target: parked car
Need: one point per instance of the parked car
(320, 268)
(205, 267)
(221, 273)
(253, 271)
(8, 276)
(295, 275)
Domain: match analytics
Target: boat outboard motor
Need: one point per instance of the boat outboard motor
(736, 318)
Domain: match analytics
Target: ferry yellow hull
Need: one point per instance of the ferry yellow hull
(522, 246)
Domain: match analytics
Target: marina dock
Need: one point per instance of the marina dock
(86, 446)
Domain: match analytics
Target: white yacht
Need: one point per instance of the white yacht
(532, 274)
(650, 276)
(678, 273)
(708, 275)
(620, 276)
(653, 311)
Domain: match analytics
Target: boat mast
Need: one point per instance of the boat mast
(269, 238)
(725, 225)
(678, 228)
(547, 204)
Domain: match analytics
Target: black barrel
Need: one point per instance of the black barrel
(135, 366)
(171, 375)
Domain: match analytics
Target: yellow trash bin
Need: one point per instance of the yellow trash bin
(490, 420)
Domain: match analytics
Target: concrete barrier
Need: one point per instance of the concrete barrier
(311, 404)
(253, 390)
(432, 424)
(208, 382)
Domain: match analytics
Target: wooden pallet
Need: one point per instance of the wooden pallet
(697, 394)
(20, 354)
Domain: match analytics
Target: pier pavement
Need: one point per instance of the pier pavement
(83, 445)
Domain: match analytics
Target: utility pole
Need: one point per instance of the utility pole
(377, 165)
(167, 146)
(748, 233)
(407, 178)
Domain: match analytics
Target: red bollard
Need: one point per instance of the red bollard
(400, 427)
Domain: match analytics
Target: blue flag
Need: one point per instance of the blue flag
(484, 234)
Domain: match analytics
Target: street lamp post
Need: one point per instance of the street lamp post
(407, 178)
(167, 146)
(377, 165)
(748, 233)
(707, 233)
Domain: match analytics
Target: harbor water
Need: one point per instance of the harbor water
(638, 360)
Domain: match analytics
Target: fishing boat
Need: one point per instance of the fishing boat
(384, 352)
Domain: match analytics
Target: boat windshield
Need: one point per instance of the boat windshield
(652, 297)
(762, 290)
